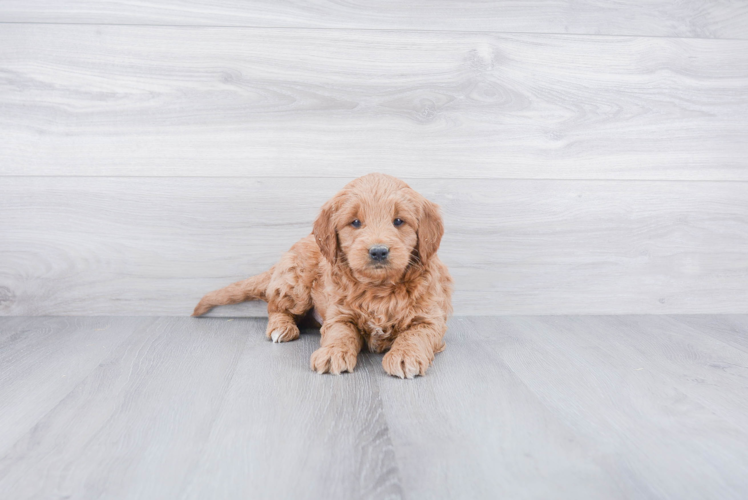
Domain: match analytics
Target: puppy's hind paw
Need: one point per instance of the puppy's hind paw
(285, 333)
(281, 328)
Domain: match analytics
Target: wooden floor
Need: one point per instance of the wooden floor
(516, 407)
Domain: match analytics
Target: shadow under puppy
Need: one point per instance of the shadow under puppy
(368, 273)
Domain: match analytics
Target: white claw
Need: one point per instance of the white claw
(275, 336)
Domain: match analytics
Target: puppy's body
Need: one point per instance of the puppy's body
(369, 272)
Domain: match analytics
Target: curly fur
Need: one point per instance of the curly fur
(401, 305)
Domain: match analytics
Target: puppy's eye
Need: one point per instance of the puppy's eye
(356, 223)
(398, 222)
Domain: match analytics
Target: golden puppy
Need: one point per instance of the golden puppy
(368, 273)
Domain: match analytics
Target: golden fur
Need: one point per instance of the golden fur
(401, 304)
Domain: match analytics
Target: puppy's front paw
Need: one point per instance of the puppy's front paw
(333, 359)
(406, 363)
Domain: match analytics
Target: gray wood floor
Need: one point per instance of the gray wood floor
(516, 407)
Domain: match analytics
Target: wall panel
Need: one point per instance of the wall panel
(153, 246)
(186, 101)
(685, 18)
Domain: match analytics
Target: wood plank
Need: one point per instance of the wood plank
(129, 246)
(289, 433)
(133, 427)
(187, 101)
(187, 408)
(691, 18)
(515, 407)
(622, 388)
(472, 429)
(729, 329)
(683, 353)
(697, 362)
(43, 359)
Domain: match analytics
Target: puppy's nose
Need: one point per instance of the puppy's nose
(379, 253)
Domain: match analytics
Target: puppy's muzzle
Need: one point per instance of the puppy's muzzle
(379, 253)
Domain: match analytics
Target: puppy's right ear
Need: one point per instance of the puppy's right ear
(325, 232)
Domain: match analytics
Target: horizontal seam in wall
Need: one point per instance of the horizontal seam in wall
(456, 316)
(395, 30)
(42, 176)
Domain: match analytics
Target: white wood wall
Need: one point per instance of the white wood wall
(590, 157)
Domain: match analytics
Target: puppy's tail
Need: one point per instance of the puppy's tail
(249, 289)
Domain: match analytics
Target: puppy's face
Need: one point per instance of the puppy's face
(378, 236)
(378, 226)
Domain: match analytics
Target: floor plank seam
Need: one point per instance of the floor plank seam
(383, 30)
(196, 464)
(407, 179)
(371, 367)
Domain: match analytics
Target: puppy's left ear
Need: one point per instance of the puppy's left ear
(430, 230)
(325, 232)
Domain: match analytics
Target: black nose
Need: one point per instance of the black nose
(379, 253)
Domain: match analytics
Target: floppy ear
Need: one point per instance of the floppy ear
(430, 230)
(325, 232)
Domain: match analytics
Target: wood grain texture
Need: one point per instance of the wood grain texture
(44, 359)
(166, 412)
(691, 360)
(133, 427)
(290, 433)
(535, 407)
(472, 429)
(631, 386)
(187, 101)
(728, 329)
(690, 18)
(80, 246)
(515, 407)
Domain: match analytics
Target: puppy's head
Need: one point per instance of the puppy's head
(378, 226)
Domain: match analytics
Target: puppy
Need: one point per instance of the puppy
(368, 273)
